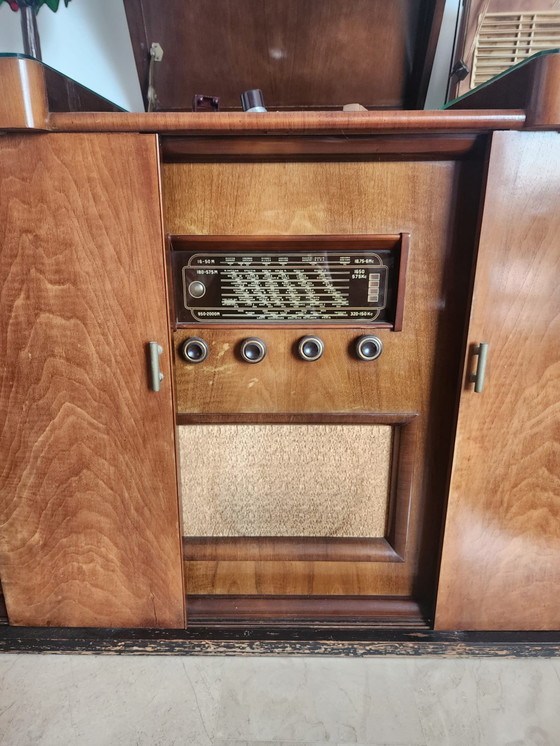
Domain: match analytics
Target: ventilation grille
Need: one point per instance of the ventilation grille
(504, 39)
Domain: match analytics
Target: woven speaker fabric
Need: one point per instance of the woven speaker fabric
(285, 480)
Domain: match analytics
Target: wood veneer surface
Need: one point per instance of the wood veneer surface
(300, 578)
(501, 555)
(89, 512)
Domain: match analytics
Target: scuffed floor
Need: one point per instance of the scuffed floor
(160, 701)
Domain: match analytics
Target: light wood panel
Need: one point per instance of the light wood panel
(501, 556)
(89, 511)
(299, 578)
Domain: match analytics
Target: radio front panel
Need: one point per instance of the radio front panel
(318, 280)
(312, 382)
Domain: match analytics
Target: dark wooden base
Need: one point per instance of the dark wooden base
(353, 641)
(333, 612)
(263, 641)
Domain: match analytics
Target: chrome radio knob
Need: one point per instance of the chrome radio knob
(194, 350)
(310, 348)
(252, 350)
(368, 348)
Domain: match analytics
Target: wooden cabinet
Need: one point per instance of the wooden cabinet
(89, 514)
(501, 555)
(89, 510)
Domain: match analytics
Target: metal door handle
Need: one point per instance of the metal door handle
(478, 377)
(156, 376)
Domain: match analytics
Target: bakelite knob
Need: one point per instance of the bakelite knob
(194, 350)
(253, 350)
(368, 348)
(310, 348)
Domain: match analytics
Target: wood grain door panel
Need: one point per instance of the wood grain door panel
(89, 519)
(501, 555)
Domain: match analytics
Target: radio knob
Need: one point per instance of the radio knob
(368, 348)
(253, 350)
(197, 289)
(194, 350)
(310, 348)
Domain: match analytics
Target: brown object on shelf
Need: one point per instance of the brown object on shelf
(205, 103)
(90, 529)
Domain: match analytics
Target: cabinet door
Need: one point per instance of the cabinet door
(89, 523)
(501, 555)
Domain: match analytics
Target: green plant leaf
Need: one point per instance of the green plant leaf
(53, 4)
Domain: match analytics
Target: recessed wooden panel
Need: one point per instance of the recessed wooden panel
(501, 556)
(89, 511)
(285, 480)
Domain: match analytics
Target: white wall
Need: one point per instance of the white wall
(88, 41)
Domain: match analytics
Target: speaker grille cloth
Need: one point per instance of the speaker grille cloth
(285, 480)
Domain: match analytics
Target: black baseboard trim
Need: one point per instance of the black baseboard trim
(356, 643)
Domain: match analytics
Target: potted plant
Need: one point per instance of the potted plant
(30, 33)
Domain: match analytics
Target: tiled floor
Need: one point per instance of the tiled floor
(162, 701)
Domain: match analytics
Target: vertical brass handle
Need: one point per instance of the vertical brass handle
(156, 376)
(478, 377)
